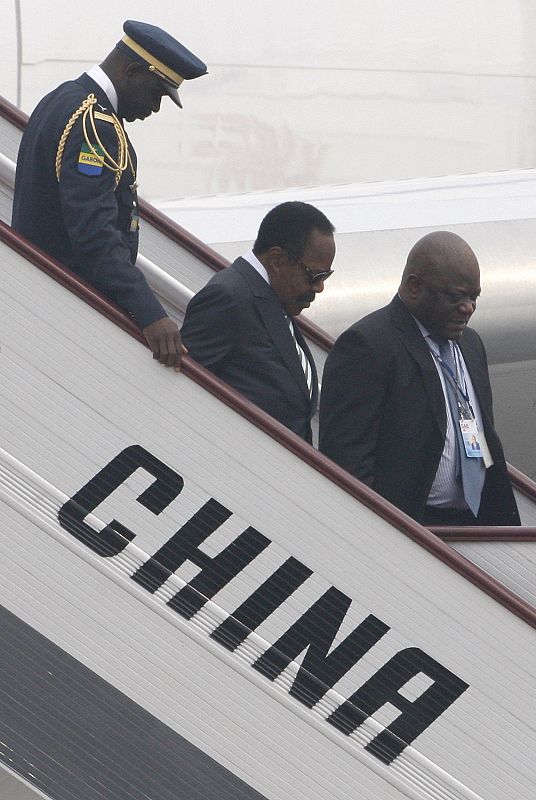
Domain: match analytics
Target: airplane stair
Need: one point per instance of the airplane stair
(198, 604)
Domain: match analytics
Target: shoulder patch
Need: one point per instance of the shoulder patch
(89, 162)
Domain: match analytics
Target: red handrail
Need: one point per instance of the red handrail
(499, 533)
(13, 114)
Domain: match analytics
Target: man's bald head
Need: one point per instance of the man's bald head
(440, 253)
(441, 283)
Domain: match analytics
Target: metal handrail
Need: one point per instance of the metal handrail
(498, 533)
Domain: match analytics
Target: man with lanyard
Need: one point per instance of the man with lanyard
(76, 187)
(406, 392)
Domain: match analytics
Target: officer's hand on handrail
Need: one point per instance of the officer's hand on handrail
(164, 339)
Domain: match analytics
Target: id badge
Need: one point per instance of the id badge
(471, 438)
(134, 222)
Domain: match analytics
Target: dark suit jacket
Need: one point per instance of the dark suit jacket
(383, 413)
(236, 327)
(82, 220)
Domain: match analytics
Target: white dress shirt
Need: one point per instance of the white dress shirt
(252, 259)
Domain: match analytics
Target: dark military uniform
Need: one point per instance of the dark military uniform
(84, 220)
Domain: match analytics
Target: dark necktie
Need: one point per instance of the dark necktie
(472, 470)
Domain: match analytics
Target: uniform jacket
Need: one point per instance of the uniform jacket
(236, 327)
(383, 412)
(82, 220)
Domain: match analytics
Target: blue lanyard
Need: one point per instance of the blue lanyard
(449, 375)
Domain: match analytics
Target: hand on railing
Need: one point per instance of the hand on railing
(164, 339)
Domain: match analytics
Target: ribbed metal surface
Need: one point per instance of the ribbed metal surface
(512, 563)
(73, 735)
(78, 392)
(38, 502)
(10, 137)
(527, 509)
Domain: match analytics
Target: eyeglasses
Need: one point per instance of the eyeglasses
(315, 277)
(312, 276)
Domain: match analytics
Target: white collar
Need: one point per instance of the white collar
(252, 259)
(100, 77)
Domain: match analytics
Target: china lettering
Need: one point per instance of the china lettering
(314, 632)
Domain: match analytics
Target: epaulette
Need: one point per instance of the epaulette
(105, 117)
(93, 155)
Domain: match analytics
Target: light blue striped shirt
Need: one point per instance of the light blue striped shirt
(447, 491)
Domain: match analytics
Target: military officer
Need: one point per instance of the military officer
(75, 187)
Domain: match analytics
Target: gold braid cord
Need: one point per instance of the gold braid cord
(88, 113)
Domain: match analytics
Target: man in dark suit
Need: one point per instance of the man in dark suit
(401, 385)
(75, 186)
(241, 324)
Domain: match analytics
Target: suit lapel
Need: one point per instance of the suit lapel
(478, 376)
(276, 324)
(418, 349)
(472, 362)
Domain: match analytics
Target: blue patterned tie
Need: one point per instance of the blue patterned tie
(472, 470)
